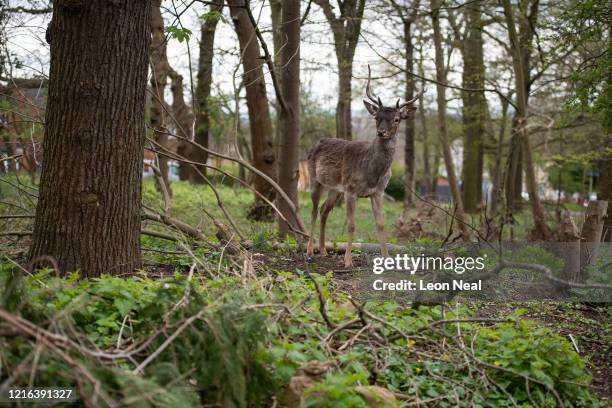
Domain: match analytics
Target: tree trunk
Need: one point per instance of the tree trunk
(290, 118)
(409, 147)
(183, 126)
(528, 15)
(88, 213)
(474, 109)
(204, 78)
(343, 107)
(444, 142)
(541, 230)
(497, 168)
(345, 28)
(264, 158)
(159, 76)
(277, 41)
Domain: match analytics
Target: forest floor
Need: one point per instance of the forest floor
(512, 344)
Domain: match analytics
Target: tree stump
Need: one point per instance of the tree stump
(592, 230)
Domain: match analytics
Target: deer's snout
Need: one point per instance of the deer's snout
(381, 133)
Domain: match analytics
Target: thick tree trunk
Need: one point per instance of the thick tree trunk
(159, 76)
(409, 147)
(541, 230)
(264, 157)
(290, 118)
(202, 93)
(444, 142)
(474, 109)
(88, 213)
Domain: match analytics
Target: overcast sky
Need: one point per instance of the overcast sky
(380, 34)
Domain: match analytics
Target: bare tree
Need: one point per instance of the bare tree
(202, 93)
(541, 230)
(528, 12)
(159, 77)
(442, 128)
(407, 15)
(474, 111)
(264, 157)
(88, 212)
(290, 117)
(345, 26)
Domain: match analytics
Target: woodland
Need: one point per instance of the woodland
(194, 193)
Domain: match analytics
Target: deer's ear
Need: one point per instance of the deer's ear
(373, 109)
(407, 111)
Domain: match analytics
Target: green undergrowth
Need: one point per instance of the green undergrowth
(237, 342)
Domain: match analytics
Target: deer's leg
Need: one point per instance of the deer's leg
(350, 229)
(329, 203)
(315, 195)
(377, 210)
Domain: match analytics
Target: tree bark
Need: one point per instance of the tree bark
(474, 108)
(496, 189)
(264, 158)
(290, 118)
(541, 230)
(444, 142)
(88, 212)
(345, 28)
(277, 41)
(409, 130)
(183, 126)
(159, 76)
(203, 87)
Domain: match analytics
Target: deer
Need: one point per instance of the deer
(356, 169)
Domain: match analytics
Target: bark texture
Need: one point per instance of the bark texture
(345, 26)
(203, 87)
(264, 157)
(442, 129)
(474, 108)
(290, 118)
(88, 213)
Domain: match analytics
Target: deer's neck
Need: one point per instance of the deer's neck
(380, 156)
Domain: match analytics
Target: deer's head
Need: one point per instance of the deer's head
(388, 118)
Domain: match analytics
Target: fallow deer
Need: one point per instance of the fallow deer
(356, 169)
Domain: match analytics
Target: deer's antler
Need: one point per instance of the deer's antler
(413, 100)
(369, 93)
